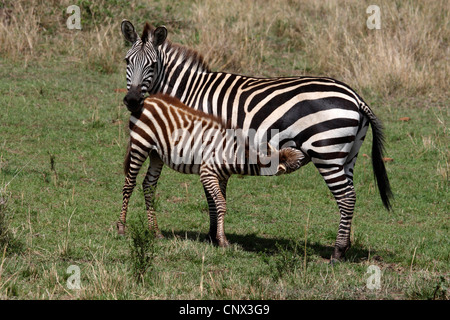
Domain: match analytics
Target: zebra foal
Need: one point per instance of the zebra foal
(193, 142)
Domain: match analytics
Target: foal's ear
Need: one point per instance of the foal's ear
(128, 31)
(159, 36)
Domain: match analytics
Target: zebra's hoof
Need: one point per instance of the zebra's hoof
(334, 261)
(120, 229)
(211, 239)
(338, 254)
(223, 243)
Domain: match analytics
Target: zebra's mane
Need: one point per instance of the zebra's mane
(148, 29)
(186, 54)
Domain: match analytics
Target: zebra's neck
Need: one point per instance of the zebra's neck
(182, 69)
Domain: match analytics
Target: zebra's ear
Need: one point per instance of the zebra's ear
(128, 31)
(159, 36)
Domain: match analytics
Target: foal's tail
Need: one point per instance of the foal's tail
(291, 159)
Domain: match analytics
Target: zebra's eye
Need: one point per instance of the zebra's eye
(126, 60)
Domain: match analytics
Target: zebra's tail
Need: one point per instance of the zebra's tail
(379, 168)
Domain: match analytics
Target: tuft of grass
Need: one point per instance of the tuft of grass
(287, 261)
(19, 35)
(8, 242)
(142, 248)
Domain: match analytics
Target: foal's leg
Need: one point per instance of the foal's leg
(212, 234)
(149, 187)
(133, 164)
(217, 207)
(130, 183)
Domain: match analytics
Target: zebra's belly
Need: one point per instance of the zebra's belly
(186, 165)
(324, 134)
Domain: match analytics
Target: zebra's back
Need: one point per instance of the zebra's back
(301, 112)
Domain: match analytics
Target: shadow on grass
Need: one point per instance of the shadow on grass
(253, 243)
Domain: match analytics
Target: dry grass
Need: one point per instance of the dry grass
(18, 31)
(36, 30)
(409, 54)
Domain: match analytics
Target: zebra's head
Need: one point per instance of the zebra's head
(141, 62)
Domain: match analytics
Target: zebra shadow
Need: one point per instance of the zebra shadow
(263, 245)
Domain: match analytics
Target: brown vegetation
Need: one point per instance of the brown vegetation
(408, 55)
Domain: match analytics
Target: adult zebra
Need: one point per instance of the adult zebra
(322, 117)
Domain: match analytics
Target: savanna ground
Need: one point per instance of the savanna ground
(63, 138)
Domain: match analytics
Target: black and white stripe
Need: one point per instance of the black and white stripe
(322, 117)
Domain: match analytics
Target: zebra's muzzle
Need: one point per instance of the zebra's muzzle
(134, 99)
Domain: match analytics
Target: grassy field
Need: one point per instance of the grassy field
(63, 138)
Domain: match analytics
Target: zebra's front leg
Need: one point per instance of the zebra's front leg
(132, 165)
(215, 195)
(346, 204)
(149, 188)
(212, 234)
(130, 183)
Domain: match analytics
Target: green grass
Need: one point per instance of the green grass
(63, 135)
(62, 143)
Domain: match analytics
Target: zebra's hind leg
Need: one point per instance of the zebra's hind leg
(215, 191)
(341, 186)
(149, 188)
(346, 204)
(211, 236)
